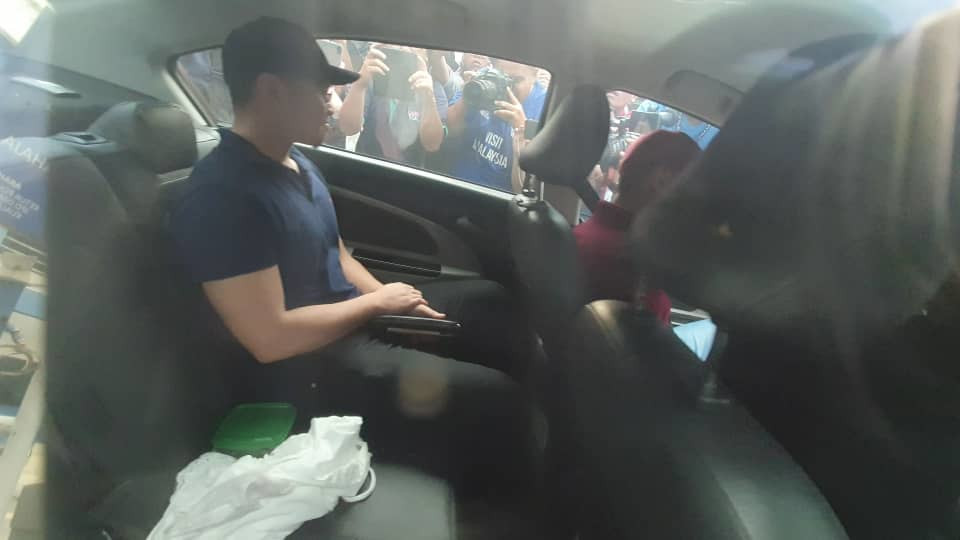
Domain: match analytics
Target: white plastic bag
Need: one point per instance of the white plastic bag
(218, 496)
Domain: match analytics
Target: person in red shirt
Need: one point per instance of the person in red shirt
(649, 166)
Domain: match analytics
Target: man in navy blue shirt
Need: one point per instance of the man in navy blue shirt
(257, 229)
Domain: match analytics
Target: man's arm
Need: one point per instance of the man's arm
(512, 112)
(362, 279)
(457, 111)
(438, 66)
(345, 54)
(252, 307)
(431, 127)
(455, 117)
(356, 273)
(351, 113)
(516, 174)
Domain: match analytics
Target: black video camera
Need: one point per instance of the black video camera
(486, 87)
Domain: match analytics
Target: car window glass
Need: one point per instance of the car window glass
(454, 113)
(631, 117)
(41, 99)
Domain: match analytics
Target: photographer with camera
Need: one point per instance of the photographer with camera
(395, 106)
(487, 123)
(452, 80)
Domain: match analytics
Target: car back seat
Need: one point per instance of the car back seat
(119, 143)
(132, 395)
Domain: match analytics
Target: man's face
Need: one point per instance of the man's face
(474, 62)
(619, 99)
(306, 110)
(520, 73)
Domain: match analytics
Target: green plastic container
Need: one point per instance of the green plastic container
(254, 429)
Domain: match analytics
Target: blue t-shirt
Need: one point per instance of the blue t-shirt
(483, 153)
(702, 133)
(243, 212)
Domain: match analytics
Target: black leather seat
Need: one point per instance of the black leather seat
(139, 145)
(132, 395)
(667, 459)
(405, 504)
(673, 454)
(542, 244)
(547, 268)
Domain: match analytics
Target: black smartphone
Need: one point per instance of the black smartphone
(332, 51)
(531, 128)
(398, 324)
(396, 83)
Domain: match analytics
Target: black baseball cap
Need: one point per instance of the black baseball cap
(280, 47)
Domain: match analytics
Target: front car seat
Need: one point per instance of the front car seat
(547, 268)
(542, 244)
(671, 453)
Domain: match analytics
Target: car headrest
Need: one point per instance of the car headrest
(825, 211)
(53, 197)
(160, 134)
(572, 139)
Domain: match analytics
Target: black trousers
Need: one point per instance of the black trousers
(467, 421)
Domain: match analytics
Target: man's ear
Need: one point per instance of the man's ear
(270, 87)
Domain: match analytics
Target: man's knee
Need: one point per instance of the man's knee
(470, 294)
(490, 295)
(427, 385)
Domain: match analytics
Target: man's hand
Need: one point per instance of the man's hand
(431, 127)
(397, 299)
(511, 111)
(373, 64)
(421, 81)
(422, 84)
(426, 311)
(543, 77)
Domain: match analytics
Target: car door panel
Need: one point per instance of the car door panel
(396, 245)
(407, 223)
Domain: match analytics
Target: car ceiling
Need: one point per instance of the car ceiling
(724, 45)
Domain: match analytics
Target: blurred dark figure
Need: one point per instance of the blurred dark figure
(649, 167)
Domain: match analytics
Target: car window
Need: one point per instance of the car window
(40, 99)
(447, 112)
(632, 116)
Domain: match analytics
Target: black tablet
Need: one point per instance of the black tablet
(396, 83)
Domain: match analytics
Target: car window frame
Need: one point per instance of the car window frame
(184, 86)
(208, 118)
